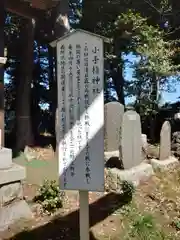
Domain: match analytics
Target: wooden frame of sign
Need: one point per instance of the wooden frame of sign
(80, 73)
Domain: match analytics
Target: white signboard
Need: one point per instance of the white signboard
(81, 111)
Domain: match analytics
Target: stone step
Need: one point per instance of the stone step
(14, 212)
(13, 174)
(10, 191)
(135, 175)
(5, 158)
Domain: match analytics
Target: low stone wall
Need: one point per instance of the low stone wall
(12, 205)
(175, 145)
(135, 175)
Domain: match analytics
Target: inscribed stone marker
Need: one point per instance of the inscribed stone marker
(144, 141)
(165, 141)
(131, 140)
(81, 111)
(113, 121)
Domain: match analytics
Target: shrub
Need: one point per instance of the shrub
(127, 188)
(49, 196)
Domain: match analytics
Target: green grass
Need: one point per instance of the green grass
(140, 225)
(144, 228)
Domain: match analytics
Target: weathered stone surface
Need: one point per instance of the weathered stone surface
(29, 155)
(13, 213)
(13, 174)
(144, 141)
(176, 135)
(165, 141)
(5, 158)
(176, 143)
(178, 140)
(110, 180)
(153, 151)
(113, 120)
(131, 140)
(166, 164)
(108, 155)
(10, 192)
(177, 116)
(144, 146)
(136, 175)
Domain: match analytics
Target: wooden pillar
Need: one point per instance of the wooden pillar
(2, 21)
(24, 133)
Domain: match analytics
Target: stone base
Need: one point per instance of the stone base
(9, 192)
(164, 165)
(14, 212)
(13, 174)
(135, 175)
(108, 155)
(5, 158)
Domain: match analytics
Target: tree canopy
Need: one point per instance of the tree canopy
(147, 29)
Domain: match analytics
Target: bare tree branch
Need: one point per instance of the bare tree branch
(152, 5)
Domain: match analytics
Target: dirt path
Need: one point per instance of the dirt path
(110, 215)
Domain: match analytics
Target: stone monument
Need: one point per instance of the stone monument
(12, 205)
(135, 170)
(131, 140)
(165, 141)
(113, 122)
(166, 160)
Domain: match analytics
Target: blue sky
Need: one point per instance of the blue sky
(166, 97)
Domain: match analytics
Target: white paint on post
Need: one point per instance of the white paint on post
(81, 111)
(84, 215)
(131, 140)
(165, 141)
(57, 126)
(113, 121)
(80, 68)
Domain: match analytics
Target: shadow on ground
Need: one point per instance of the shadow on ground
(114, 162)
(67, 227)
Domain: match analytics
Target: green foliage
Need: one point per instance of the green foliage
(155, 53)
(133, 33)
(50, 196)
(144, 228)
(127, 188)
(149, 43)
(176, 224)
(128, 210)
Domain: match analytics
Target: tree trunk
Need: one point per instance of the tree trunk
(61, 27)
(24, 133)
(35, 98)
(154, 89)
(60, 19)
(52, 87)
(118, 81)
(2, 21)
(89, 22)
(154, 98)
(118, 78)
